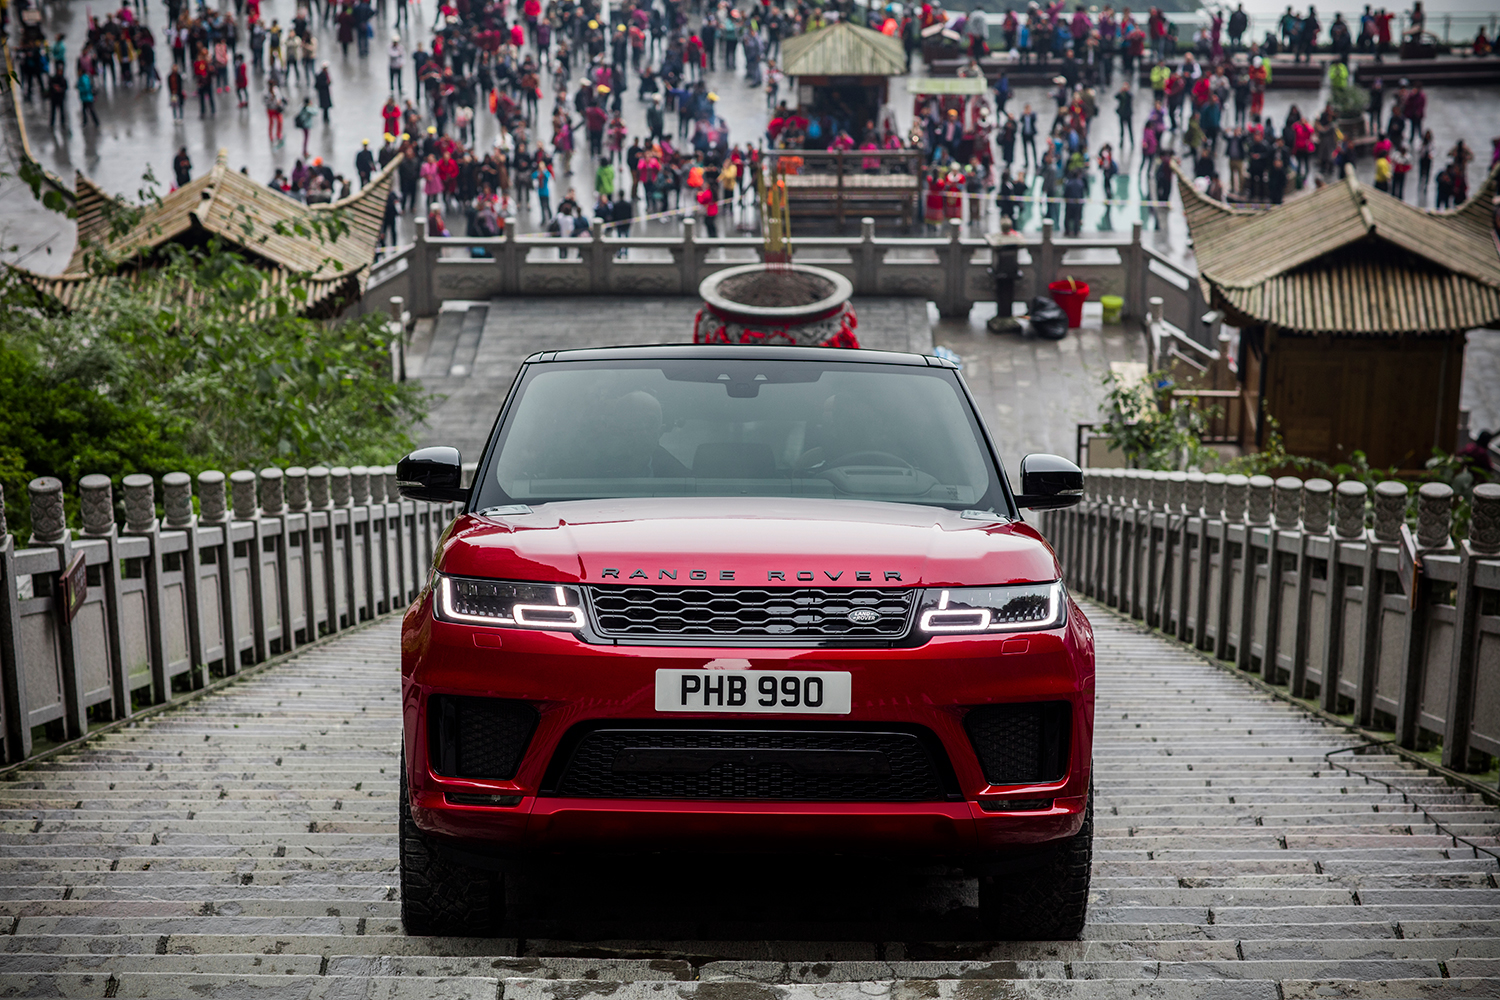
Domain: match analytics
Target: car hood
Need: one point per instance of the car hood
(728, 542)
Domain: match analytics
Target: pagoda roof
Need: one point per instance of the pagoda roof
(842, 49)
(330, 248)
(1350, 259)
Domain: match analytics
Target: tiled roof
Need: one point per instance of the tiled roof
(1348, 259)
(842, 49)
(266, 224)
(277, 233)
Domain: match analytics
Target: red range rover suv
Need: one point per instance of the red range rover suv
(745, 599)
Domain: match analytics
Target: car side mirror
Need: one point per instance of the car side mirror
(1049, 482)
(432, 474)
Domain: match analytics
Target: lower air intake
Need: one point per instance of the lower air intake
(479, 737)
(1021, 744)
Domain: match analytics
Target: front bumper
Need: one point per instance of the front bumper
(572, 683)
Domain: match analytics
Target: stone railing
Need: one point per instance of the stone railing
(1282, 577)
(99, 621)
(952, 270)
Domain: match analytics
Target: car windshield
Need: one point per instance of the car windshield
(742, 427)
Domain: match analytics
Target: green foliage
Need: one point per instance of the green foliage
(1272, 457)
(1350, 102)
(191, 366)
(1142, 423)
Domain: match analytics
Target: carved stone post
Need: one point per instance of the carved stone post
(364, 556)
(317, 488)
(866, 260)
(177, 499)
(1349, 500)
(177, 508)
(1434, 516)
(296, 489)
(359, 484)
(1484, 520)
(97, 509)
(243, 494)
(1390, 511)
(49, 527)
(140, 503)
(340, 487)
(1236, 498)
(140, 520)
(1159, 482)
(272, 493)
(211, 505)
(1317, 495)
(1176, 492)
(214, 520)
(1260, 499)
(1197, 483)
(96, 504)
(1288, 502)
(1213, 495)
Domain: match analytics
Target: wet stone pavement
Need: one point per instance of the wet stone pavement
(244, 845)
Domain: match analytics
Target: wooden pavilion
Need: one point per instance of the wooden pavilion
(843, 73)
(275, 233)
(843, 70)
(1353, 309)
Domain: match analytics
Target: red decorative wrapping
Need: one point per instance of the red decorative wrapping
(836, 330)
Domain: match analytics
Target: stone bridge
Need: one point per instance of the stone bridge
(203, 728)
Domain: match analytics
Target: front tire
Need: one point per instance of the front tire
(438, 896)
(1050, 899)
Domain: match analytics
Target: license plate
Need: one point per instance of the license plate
(799, 692)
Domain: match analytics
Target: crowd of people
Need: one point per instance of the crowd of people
(1205, 110)
(503, 59)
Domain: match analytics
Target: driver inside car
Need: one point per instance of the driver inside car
(630, 440)
(847, 426)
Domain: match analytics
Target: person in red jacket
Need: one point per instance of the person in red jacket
(1416, 110)
(709, 199)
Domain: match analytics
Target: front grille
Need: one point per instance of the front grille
(479, 737)
(751, 613)
(816, 765)
(1021, 744)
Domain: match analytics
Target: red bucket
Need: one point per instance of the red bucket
(1070, 296)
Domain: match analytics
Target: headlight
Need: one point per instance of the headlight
(512, 605)
(1026, 608)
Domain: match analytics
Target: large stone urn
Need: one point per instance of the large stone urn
(786, 304)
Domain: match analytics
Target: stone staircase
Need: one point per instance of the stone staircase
(244, 845)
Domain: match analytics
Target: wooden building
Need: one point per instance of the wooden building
(1353, 308)
(275, 233)
(843, 70)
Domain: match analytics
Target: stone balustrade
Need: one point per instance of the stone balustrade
(1313, 586)
(952, 269)
(100, 619)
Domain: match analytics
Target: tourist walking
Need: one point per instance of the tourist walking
(396, 61)
(275, 115)
(57, 96)
(323, 83)
(304, 121)
(86, 100)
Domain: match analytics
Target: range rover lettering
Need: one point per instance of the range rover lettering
(757, 600)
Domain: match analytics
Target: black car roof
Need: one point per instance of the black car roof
(679, 352)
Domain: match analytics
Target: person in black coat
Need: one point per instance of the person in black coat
(182, 166)
(323, 83)
(364, 162)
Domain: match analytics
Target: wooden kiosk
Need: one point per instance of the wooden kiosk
(843, 71)
(1353, 309)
